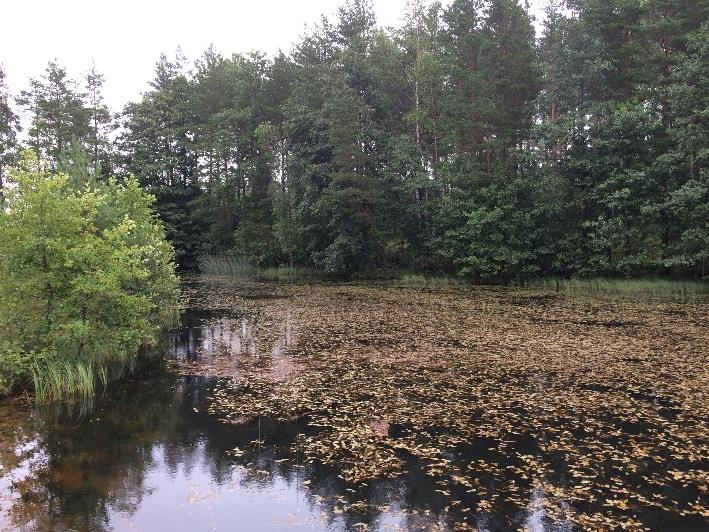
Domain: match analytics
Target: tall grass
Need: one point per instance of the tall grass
(58, 379)
(286, 273)
(224, 265)
(234, 267)
(430, 281)
(649, 287)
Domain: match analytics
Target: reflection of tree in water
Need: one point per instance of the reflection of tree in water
(99, 464)
(92, 461)
(154, 427)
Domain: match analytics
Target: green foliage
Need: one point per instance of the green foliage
(253, 242)
(457, 144)
(9, 125)
(60, 117)
(86, 279)
(180, 210)
(686, 163)
(485, 239)
(288, 231)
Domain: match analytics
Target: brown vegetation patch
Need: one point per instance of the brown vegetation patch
(497, 393)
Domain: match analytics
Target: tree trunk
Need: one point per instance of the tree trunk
(2, 188)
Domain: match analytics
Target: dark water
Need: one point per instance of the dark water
(147, 456)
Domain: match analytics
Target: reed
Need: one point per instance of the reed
(647, 287)
(58, 379)
(428, 281)
(286, 274)
(225, 265)
(234, 267)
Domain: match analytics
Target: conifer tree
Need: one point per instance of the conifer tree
(59, 117)
(9, 126)
(101, 122)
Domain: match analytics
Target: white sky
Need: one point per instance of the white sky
(125, 38)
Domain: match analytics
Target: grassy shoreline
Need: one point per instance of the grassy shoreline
(232, 267)
(605, 286)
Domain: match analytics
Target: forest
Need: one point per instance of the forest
(447, 275)
(463, 142)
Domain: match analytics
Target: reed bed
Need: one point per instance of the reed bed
(644, 287)
(58, 379)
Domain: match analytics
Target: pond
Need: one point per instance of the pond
(378, 407)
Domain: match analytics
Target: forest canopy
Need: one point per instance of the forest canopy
(461, 142)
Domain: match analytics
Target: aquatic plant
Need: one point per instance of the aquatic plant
(495, 393)
(56, 379)
(651, 287)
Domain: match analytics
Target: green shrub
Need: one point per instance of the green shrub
(86, 279)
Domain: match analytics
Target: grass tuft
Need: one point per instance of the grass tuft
(58, 379)
(647, 287)
(423, 280)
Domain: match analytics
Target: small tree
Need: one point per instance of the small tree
(86, 279)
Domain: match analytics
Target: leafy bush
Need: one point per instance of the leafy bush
(86, 278)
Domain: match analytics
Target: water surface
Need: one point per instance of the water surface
(542, 440)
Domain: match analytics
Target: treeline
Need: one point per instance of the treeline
(459, 142)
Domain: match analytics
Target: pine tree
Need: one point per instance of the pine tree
(159, 148)
(457, 143)
(60, 118)
(9, 126)
(101, 122)
(509, 65)
(468, 103)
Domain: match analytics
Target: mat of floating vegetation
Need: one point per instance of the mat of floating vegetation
(497, 394)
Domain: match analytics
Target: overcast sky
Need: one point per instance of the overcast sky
(125, 38)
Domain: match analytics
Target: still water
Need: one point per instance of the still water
(555, 438)
(147, 456)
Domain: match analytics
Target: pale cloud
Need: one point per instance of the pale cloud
(125, 38)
